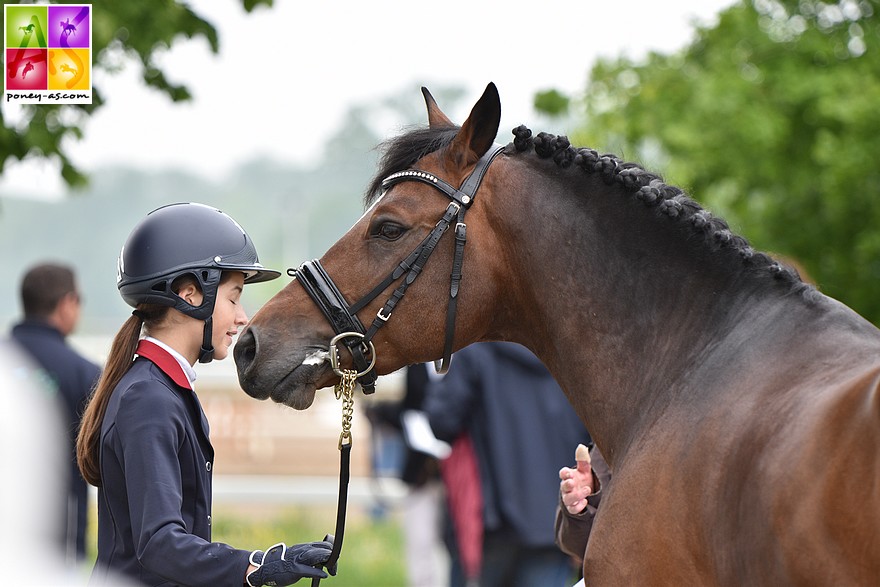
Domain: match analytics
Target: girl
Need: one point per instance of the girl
(144, 440)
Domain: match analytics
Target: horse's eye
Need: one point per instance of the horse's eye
(389, 231)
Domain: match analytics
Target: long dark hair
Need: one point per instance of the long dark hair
(118, 362)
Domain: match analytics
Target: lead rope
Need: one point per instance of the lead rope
(344, 390)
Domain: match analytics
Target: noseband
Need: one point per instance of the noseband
(343, 317)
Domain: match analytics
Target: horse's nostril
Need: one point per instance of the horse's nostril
(245, 350)
(246, 364)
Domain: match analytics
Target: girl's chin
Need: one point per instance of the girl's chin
(222, 346)
(221, 351)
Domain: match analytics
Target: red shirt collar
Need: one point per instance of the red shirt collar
(162, 359)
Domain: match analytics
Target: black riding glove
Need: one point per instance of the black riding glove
(281, 565)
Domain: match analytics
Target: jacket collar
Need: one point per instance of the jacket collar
(165, 361)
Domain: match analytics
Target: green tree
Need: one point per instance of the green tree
(121, 32)
(770, 118)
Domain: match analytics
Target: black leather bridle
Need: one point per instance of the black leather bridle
(343, 317)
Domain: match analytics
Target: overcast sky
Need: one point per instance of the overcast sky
(257, 97)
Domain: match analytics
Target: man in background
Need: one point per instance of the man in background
(51, 304)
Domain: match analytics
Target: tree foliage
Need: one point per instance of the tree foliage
(770, 118)
(121, 32)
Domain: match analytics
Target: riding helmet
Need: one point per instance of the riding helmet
(180, 239)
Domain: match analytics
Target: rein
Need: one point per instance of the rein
(350, 330)
(344, 390)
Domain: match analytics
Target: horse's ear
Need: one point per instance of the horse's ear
(436, 118)
(478, 132)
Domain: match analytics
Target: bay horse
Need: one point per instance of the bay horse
(737, 405)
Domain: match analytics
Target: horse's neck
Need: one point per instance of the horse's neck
(618, 325)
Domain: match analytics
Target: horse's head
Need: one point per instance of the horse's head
(397, 247)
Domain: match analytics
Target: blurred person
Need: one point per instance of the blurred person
(423, 509)
(144, 440)
(511, 428)
(33, 452)
(50, 302)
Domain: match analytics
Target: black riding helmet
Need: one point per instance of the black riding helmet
(186, 239)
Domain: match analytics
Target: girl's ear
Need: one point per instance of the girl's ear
(190, 294)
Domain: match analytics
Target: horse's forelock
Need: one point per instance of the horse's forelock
(403, 151)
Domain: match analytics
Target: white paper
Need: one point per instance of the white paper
(420, 437)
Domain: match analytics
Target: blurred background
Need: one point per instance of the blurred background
(765, 111)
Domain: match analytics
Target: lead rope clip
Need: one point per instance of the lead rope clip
(344, 389)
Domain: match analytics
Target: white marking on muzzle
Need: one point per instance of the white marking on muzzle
(316, 358)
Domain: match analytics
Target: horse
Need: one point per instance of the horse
(67, 28)
(736, 404)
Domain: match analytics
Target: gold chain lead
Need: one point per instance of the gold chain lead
(345, 389)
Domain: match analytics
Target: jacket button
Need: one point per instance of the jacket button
(209, 520)
(208, 466)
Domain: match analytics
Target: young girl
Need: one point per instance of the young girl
(144, 437)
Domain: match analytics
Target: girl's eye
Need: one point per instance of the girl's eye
(390, 231)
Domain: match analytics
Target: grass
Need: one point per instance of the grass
(372, 552)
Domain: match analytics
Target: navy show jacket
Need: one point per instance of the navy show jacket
(154, 506)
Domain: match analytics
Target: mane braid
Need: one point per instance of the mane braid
(650, 189)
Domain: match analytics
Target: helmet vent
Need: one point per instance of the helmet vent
(160, 286)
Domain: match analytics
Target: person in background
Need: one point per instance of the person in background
(511, 429)
(144, 438)
(33, 453)
(423, 510)
(51, 302)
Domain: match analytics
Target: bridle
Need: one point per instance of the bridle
(343, 318)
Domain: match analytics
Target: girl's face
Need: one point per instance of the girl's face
(229, 315)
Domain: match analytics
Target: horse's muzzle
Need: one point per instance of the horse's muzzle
(244, 353)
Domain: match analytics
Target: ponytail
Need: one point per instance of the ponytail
(122, 353)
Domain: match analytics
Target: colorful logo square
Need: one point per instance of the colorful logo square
(48, 53)
(69, 69)
(26, 25)
(72, 26)
(26, 69)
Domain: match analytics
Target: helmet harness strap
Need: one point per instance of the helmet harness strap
(206, 352)
(209, 282)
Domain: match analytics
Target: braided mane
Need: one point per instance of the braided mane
(648, 188)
